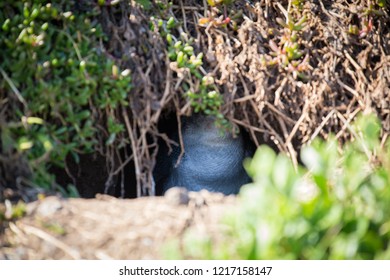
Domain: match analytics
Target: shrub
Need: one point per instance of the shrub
(57, 85)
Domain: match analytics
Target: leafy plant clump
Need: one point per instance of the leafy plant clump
(59, 91)
(367, 16)
(336, 207)
(9, 211)
(286, 53)
(199, 87)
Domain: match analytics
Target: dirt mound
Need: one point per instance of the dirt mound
(110, 228)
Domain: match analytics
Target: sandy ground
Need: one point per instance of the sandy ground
(110, 228)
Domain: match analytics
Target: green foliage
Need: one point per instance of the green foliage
(286, 53)
(215, 20)
(297, 3)
(9, 211)
(54, 227)
(336, 207)
(208, 101)
(383, 3)
(146, 4)
(214, 3)
(367, 15)
(63, 82)
(204, 98)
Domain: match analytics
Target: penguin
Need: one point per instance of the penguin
(212, 158)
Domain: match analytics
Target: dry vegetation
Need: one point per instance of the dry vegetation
(342, 73)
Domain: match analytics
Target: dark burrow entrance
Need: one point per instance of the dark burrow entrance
(201, 156)
(212, 159)
(91, 176)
